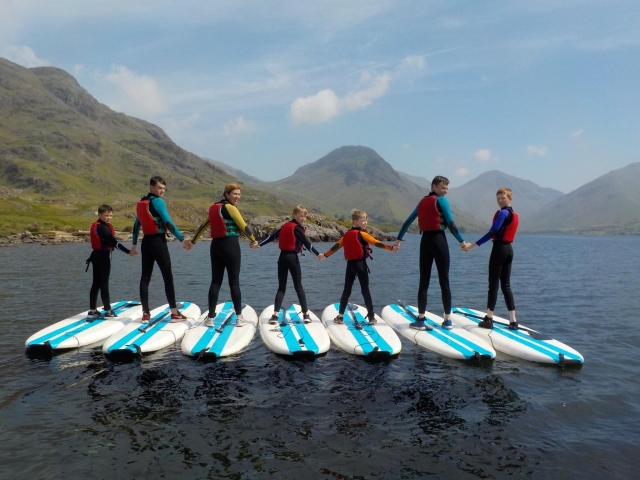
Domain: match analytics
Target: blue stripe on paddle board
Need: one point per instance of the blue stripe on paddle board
(209, 333)
(142, 337)
(74, 328)
(306, 337)
(221, 341)
(287, 333)
(468, 348)
(530, 342)
(370, 329)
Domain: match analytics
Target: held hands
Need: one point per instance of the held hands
(321, 257)
(187, 244)
(467, 247)
(133, 252)
(395, 248)
(255, 244)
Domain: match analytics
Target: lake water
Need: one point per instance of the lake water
(257, 415)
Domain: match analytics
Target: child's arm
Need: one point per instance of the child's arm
(302, 238)
(376, 243)
(270, 238)
(407, 223)
(335, 248)
(109, 240)
(446, 212)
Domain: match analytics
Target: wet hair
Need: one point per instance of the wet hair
(157, 179)
(104, 208)
(299, 209)
(358, 215)
(507, 191)
(437, 180)
(230, 188)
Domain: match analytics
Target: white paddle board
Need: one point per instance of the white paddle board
(291, 336)
(137, 338)
(455, 343)
(81, 329)
(524, 343)
(357, 336)
(223, 338)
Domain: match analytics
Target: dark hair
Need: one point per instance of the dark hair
(104, 208)
(157, 179)
(437, 180)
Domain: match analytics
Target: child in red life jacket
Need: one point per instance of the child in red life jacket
(291, 238)
(103, 241)
(356, 251)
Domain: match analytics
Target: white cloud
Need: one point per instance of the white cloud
(576, 133)
(415, 62)
(24, 56)
(325, 104)
(462, 171)
(137, 94)
(238, 126)
(483, 155)
(537, 150)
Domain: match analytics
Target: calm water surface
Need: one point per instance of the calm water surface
(257, 415)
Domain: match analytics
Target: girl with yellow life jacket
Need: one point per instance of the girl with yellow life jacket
(502, 232)
(291, 239)
(225, 225)
(356, 251)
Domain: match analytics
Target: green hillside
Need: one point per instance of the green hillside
(608, 205)
(62, 153)
(357, 177)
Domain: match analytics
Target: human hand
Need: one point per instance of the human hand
(255, 244)
(133, 252)
(187, 244)
(321, 257)
(395, 248)
(396, 243)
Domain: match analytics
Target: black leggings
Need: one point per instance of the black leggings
(101, 271)
(154, 250)
(357, 268)
(434, 246)
(289, 263)
(225, 253)
(500, 273)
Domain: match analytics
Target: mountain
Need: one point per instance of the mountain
(478, 196)
(609, 204)
(420, 181)
(357, 177)
(235, 172)
(63, 152)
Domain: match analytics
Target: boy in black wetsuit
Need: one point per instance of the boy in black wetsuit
(103, 242)
(291, 238)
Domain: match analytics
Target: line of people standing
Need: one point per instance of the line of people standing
(225, 224)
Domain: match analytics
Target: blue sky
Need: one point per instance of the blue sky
(545, 90)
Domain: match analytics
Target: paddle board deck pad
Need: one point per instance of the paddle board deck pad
(81, 330)
(223, 338)
(291, 336)
(138, 338)
(455, 343)
(369, 340)
(524, 343)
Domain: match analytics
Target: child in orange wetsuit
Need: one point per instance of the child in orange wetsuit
(356, 251)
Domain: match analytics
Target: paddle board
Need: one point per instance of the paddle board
(524, 343)
(81, 330)
(291, 336)
(137, 338)
(455, 343)
(357, 337)
(223, 338)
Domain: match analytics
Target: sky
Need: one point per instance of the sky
(547, 90)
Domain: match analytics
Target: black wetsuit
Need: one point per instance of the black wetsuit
(225, 254)
(434, 246)
(289, 262)
(101, 260)
(500, 274)
(357, 268)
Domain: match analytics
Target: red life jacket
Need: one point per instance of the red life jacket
(287, 240)
(354, 248)
(149, 223)
(216, 222)
(507, 232)
(96, 242)
(429, 217)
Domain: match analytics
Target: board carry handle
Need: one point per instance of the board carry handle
(151, 324)
(413, 315)
(532, 333)
(352, 309)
